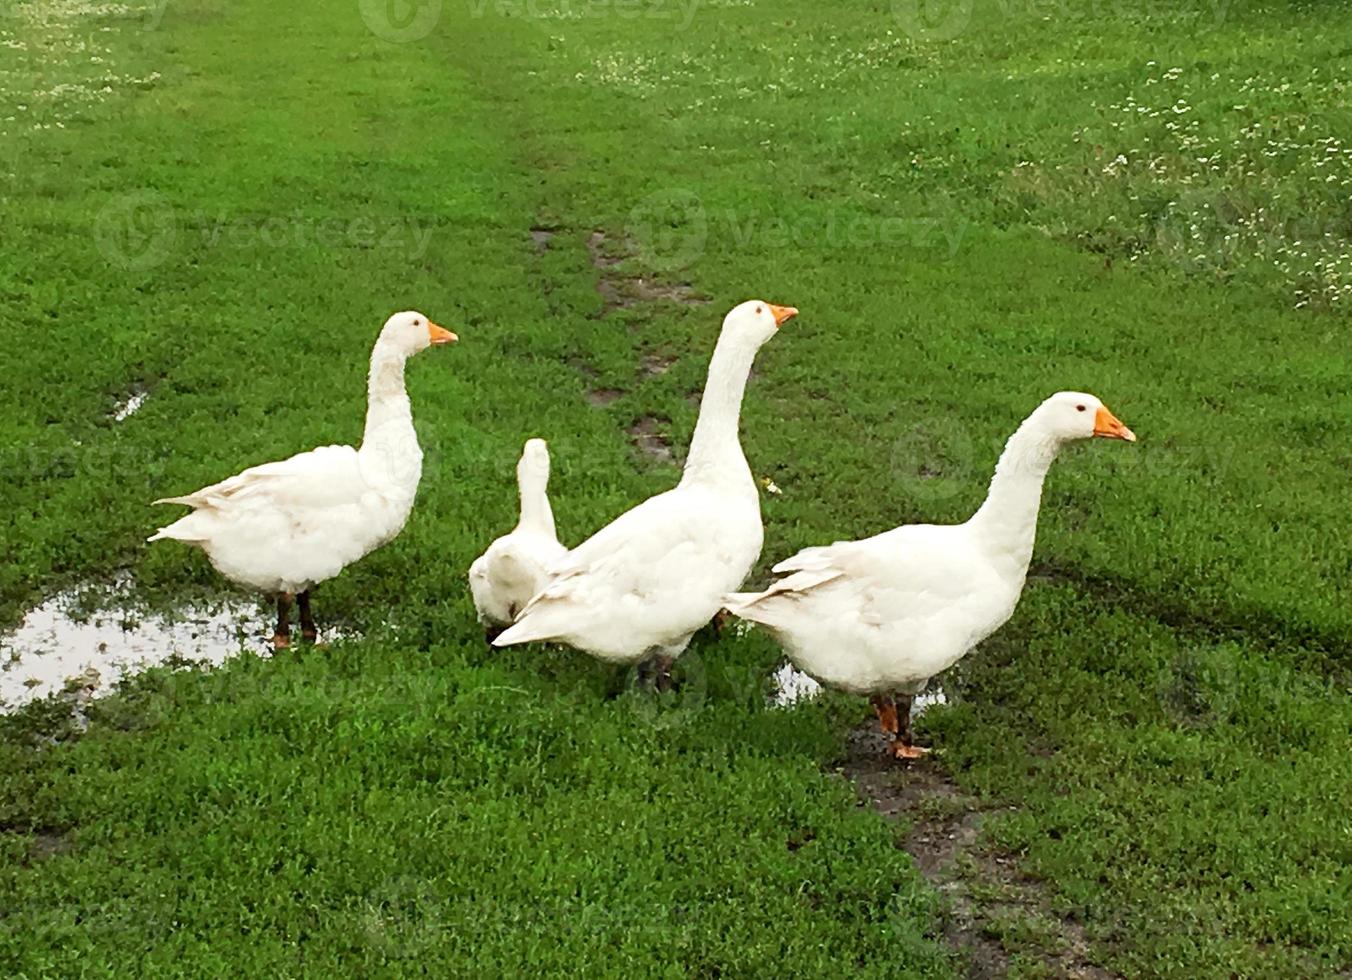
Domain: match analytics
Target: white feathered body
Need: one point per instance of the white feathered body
(289, 525)
(513, 569)
(643, 584)
(885, 614)
(648, 580)
(889, 612)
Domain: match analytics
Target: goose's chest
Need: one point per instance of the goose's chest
(731, 531)
(392, 479)
(384, 513)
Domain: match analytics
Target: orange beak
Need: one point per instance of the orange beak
(1109, 426)
(783, 313)
(440, 335)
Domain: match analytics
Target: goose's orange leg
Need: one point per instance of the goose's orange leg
(887, 714)
(902, 746)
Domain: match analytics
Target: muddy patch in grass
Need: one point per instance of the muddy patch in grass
(541, 237)
(47, 844)
(997, 918)
(622, 291)
(601, 397)
(42, 842)
(646, 435)
(656, 365)
(596, 395)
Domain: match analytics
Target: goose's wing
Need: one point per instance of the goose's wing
(912, 570)
(327, 476)
(640, 545)
(638, 575)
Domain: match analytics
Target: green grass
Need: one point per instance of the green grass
(1164, 727)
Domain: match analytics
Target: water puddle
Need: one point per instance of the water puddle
(792, 686)
(64, 643)
(926, 700)
(540, 237)
(129, 406)
(648, 438)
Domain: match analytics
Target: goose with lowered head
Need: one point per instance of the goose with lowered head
(284, 527)
(639, 588)
(881, 616)
(505, 577)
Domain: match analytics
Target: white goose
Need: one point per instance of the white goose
(505, 577)
(641, 586)
(284, 527)
(881, 616)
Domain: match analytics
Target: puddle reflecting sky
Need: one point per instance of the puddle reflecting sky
(49, 647)
(129, 406)
(792, 686)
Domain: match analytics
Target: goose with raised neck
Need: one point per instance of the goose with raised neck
(716, 446)
(640, 587)
(514, 567)
(532, 483)
(286, 526)
(1006, 522)
(389, 413)
(881, 616)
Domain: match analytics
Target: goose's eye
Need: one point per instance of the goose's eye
(760, 310)
(1079, 408)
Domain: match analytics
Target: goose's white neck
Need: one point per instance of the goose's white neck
(536, 514)
(715, 449)
(390, 443)
(1007, 521)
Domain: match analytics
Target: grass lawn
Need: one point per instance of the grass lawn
(217, 204)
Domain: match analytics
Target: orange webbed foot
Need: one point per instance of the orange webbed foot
(900, 750)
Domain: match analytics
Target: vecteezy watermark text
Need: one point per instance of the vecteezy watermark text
(140, 231)
(682, 12)
(672, 228)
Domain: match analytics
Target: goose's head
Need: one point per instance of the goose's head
(756, 321)
(533, 467)
(1070, 415)
(410, 332)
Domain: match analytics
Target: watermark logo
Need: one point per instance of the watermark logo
(660, 706)
(140, 231)
(154, 14)
(682, 12)
(1200, 688)
(137, 231)
(669, 228)
(935, 459)
(932, 20)
(672, 229)
(1201, 231)
(403, 917)
(400, 21)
